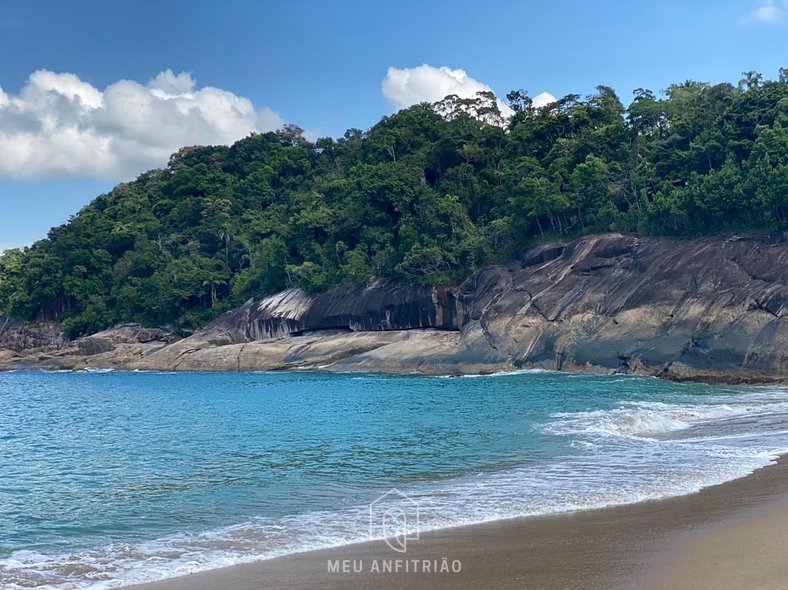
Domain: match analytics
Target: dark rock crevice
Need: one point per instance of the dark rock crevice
(382, 306)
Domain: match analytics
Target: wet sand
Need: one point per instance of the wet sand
(733, 536)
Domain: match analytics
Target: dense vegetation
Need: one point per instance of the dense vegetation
(425, 195)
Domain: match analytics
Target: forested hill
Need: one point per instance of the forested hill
(425, 195)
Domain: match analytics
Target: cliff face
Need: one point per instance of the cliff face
(713, 309)
(710, 308)
(17, 336)
(381, 306)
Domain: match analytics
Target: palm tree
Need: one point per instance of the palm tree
(212, 284)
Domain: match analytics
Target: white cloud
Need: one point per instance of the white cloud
(404, 87)
(769, 11)
(60, 126)
(408, 86)
(543, 99)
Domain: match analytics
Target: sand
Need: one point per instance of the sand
(732, 536)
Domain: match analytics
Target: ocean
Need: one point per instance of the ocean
(109, 479)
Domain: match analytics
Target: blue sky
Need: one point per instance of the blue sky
(319, 65)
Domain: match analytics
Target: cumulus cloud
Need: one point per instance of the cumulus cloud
(60, 126)
(543, 99)
(769, 11)
(408, 86)
(404, 87)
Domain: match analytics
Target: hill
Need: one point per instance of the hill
(424, 197)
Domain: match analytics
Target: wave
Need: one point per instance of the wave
(534, 371)
(651, 419)
(500, 496)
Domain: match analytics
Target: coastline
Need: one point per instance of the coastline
(709, 309)
(692, 541)
(732, 380)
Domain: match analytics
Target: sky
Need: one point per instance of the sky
(93, 93)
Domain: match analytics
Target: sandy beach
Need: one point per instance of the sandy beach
(732, 536)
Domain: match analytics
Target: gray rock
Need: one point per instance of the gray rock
(18, 336)
(381, 306)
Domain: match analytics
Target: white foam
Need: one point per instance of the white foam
(595, 480)
(644, 419)
(534, 371)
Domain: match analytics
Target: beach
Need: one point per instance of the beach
(730, 536)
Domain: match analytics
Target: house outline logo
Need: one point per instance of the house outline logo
(395, 517)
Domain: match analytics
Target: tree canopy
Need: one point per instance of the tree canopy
(426, 195)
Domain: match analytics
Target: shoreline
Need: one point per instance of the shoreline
(502, 372)
(662, 544)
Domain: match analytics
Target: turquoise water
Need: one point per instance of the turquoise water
(113, 478)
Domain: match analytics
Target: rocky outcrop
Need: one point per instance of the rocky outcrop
(17, 336)
(119, 346)
(712, 309)
(348, 326)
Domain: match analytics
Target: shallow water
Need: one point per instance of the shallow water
(108, 479)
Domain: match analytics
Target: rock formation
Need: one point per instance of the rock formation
(711, 309)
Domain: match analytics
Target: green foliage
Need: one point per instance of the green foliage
(426, 195)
